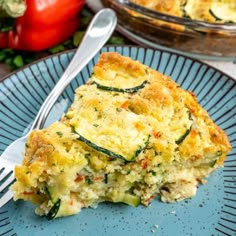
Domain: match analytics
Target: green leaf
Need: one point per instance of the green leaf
(77, 38)
(59, 133)
(57, 48)
(67, 42)
(3, 55)
(18, 61)
(29, 59)
(85, 18)
(10, 63)
(116, 40)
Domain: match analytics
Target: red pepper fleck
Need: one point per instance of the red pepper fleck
(150, 199)
(144, 163)
(125, 104)
(71, 202)
(99, 178)
(79, 178)
(28, 193)
(156, 134)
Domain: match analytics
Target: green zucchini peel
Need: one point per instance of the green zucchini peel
(120, 90)
(54, 210)
(182, 138)
(109, 152)
(213, 14)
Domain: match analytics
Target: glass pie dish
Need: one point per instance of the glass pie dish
(205, 29)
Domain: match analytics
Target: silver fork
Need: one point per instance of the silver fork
(98, 32)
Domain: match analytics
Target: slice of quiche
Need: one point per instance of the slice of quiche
(130, 135)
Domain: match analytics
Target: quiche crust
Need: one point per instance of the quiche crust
(131, 134)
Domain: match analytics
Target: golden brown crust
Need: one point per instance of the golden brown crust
(196, 10)
(171, 7)
(113, 62)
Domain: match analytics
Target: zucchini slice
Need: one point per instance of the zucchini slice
(53, 211)
(110, 152)
(181, 124)
(189, 9)
(211, 159)
(223, 11)
(131, 200)
(182, 137)
(121, 90)
(52, 194)
(115, 134)
(99, 148)
(124, 197)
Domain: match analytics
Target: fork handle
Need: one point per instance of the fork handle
(98, 32)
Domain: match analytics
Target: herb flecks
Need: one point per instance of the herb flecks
(59, 133)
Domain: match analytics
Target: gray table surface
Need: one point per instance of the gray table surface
(228, 68)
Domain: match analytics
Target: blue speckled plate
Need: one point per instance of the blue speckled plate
(211, 212)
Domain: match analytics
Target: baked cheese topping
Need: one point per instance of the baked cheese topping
(214, 11)
(130, 135)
